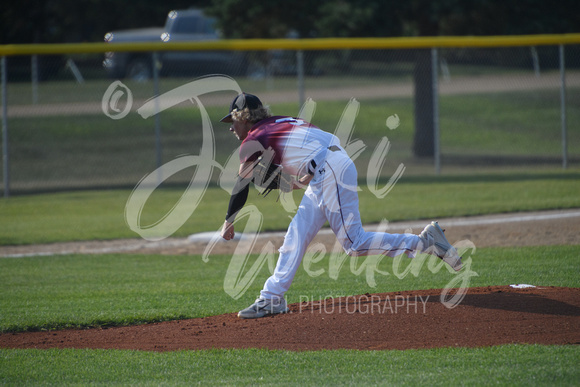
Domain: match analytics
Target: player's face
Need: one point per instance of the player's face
(240, 129)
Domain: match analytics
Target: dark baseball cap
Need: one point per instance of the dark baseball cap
(241, 102)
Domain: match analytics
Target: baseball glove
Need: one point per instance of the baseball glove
(270, 176)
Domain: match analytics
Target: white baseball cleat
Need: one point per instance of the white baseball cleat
(435, 242)
(263, 307)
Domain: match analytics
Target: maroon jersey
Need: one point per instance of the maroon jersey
(292, 143)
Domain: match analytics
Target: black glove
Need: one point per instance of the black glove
(270, 176)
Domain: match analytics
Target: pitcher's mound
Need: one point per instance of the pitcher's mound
(402, 320)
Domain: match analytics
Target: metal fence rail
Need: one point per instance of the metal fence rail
(496, 102)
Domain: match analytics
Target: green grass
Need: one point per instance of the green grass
(92, 215)
(104, 290)
(78, 291)
(505, 124)
(504, 365)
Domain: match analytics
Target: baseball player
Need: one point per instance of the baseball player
(280, 152)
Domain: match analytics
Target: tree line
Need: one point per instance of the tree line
(62, 21)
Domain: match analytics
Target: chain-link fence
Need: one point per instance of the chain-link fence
(72, 121)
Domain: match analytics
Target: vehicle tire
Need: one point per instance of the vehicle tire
(140, 69)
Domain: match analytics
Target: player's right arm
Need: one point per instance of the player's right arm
(238, 198)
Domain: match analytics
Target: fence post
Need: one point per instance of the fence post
(5, 158)
(300, 73)
(563, 108)
(158, 152)
(435, 85)
(34, 76)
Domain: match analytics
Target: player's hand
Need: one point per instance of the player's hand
(228, 232)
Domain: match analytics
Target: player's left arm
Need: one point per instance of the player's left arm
(302, 182)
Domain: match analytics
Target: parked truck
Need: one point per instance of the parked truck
(180, 26)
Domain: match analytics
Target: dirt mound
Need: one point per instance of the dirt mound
(402, 320)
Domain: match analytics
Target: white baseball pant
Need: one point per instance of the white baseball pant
(332, 195)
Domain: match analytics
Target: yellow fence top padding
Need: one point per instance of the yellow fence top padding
(296, 44)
